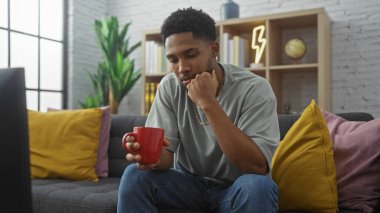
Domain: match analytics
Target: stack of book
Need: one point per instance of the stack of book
(150, 93)
(155, 58)
(235, 50)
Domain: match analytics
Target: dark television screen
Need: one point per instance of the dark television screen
(15, 185)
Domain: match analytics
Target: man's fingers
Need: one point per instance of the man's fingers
(133, 145)
(132, 157)
(130, 139)
(166, 142)
(129, 157)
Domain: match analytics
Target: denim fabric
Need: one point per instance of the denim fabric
(148, 191)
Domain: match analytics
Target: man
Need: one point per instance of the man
(219, 120)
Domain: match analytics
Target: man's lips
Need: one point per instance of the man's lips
(186, 81)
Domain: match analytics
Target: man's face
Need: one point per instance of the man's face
(189, 56)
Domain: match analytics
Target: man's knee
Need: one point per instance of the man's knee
(256, 184)
(132, 174)
(130, 169)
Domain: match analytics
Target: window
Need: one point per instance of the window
(32, 35)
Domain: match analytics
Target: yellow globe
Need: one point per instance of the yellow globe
(295, 48)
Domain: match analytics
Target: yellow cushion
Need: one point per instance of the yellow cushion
(303, 165)
(63, 144)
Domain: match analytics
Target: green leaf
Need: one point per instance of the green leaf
(116, 74)
(133, 48)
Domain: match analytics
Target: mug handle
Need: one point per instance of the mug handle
(124, 143)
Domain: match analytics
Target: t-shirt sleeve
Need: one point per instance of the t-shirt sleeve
(259, 119)
(162, 114)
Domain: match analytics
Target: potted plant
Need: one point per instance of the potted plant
(116, 74)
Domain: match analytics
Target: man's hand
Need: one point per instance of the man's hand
(133, 146)
(203, 88)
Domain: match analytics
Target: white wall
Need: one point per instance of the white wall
(83, 51)
(355, 42)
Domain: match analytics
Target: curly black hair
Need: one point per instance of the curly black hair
(189, 20)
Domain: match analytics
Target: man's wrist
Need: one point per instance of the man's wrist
(160, 160)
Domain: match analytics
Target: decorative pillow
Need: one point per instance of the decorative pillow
(303, 165)
(64, 144)
(357, 157)
(101, 167)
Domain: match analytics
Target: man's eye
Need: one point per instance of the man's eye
(192, 55)
(172, 60)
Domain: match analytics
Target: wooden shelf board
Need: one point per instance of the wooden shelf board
(296, 22)
(293, 67)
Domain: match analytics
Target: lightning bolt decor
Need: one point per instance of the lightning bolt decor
(258, 42)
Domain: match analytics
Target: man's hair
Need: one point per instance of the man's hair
(189, 20)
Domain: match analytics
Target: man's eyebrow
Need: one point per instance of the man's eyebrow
(184, 52)
(190, 49)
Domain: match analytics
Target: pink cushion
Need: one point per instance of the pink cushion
(357, 156)
(101, 167)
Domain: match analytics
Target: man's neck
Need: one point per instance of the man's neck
(220, 75)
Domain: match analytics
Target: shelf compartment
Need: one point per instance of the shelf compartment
(304, 27)
(294, 88)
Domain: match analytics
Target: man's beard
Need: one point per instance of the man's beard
(210, 66)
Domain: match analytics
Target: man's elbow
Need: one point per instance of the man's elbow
(260, 169)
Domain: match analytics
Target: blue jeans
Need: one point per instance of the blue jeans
(148, 191)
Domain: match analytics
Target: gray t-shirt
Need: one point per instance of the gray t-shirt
(247, 99)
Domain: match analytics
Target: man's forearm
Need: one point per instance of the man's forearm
(235, 144)
(166, 160)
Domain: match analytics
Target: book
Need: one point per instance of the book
(240, 51)
(226, 48)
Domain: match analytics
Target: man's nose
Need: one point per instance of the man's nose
(183, 66)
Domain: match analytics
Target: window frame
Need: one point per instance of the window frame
(64, 54)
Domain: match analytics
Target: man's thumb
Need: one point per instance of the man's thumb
(214, 75)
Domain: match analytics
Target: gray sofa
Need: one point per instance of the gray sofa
(62, 196)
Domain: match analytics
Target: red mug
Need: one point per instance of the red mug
(151, 141)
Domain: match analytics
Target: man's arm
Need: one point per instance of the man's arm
(235, 144)
(166, 160)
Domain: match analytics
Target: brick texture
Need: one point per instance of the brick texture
(83, 51)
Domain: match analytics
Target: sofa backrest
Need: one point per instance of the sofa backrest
(286, 120)
(121, 124)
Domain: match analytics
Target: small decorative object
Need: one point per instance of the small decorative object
(295, 49)
(258, 44)
(229, 9)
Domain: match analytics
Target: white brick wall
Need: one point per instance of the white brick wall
(83, 52)
(355, 42)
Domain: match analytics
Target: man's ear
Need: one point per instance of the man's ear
(214, 45)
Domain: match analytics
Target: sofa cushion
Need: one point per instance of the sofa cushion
(357, 156)
(64, 144)
(303, 165)
(59, 196)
